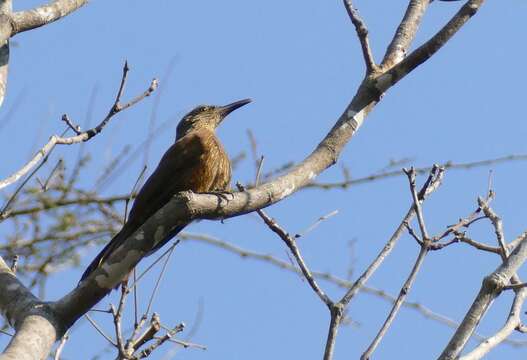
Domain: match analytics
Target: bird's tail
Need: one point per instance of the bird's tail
(105, 252)
(116, 241)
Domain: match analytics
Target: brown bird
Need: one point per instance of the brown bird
(196, 162)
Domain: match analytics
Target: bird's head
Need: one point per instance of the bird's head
(206, 116)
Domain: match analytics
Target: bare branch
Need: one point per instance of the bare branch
(362, 34)
(340, 282)
(420, 171)
(43, 15)
(84, 136)
(160, 341)
(405, 33)
(158, 281)
(36, 330)
(515, 286)
(429, 48)
(417, 203)
(6, 6)
(492, 286)
(480, 246)
(291, 244)
(4, 213)
(513, 321)
(432, 183)
(426, 242)
(316, 223)
(61, 346)
(497, 224)
(148, 334)
(99, 330)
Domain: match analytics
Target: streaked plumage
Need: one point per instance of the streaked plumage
(196, 162)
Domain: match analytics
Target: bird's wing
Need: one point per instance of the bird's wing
(173, 174)
(177, 164)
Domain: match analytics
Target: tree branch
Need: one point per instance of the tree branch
(405, 33)
(340, 282)
(6, 6)
(362, 34)
(513, 321)
(42, 15)
(81, 136)
(449, 165)
(36, 328)
(429, 48)
(492, 286)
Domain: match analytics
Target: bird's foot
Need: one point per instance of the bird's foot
(221, 194)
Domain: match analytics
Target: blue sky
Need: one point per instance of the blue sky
(300, 62)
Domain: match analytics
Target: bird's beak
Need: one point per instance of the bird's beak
(227, 109)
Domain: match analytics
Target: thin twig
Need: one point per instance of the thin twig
(291, 244)
(99, 330)
(62, 343)
(158, 281)
(420, 171)
(515, 286)
(14, 264)
(480, 246)
(44, 186)
(431, 184)
(259, 171)
(497, 224)
(397, 305)
(426, 241)
(117, 315)
(84, 136)
(81, 200)
(343, 283)
(362, 34)
(134, 189)
(4, 213)
(160, 341)
(417, 203)
(136, 311)
(76, 128)
(147, 335)
(187, 344)
(154, 263)
(316, 223)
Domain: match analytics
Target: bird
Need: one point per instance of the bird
(196, 161)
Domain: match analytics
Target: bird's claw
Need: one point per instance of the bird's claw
(221, 194)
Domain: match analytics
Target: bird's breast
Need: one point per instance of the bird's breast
(213, 173)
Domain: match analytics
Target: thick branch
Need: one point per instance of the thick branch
(405, 33)
(6, 7)
(429, 48)
(36, 329)
(513, 321)
(188, 206)
(29, 19)
(490, 289)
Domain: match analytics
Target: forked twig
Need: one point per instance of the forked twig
(82, 136)
(362, 34)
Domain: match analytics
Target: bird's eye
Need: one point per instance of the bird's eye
(200, 109)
